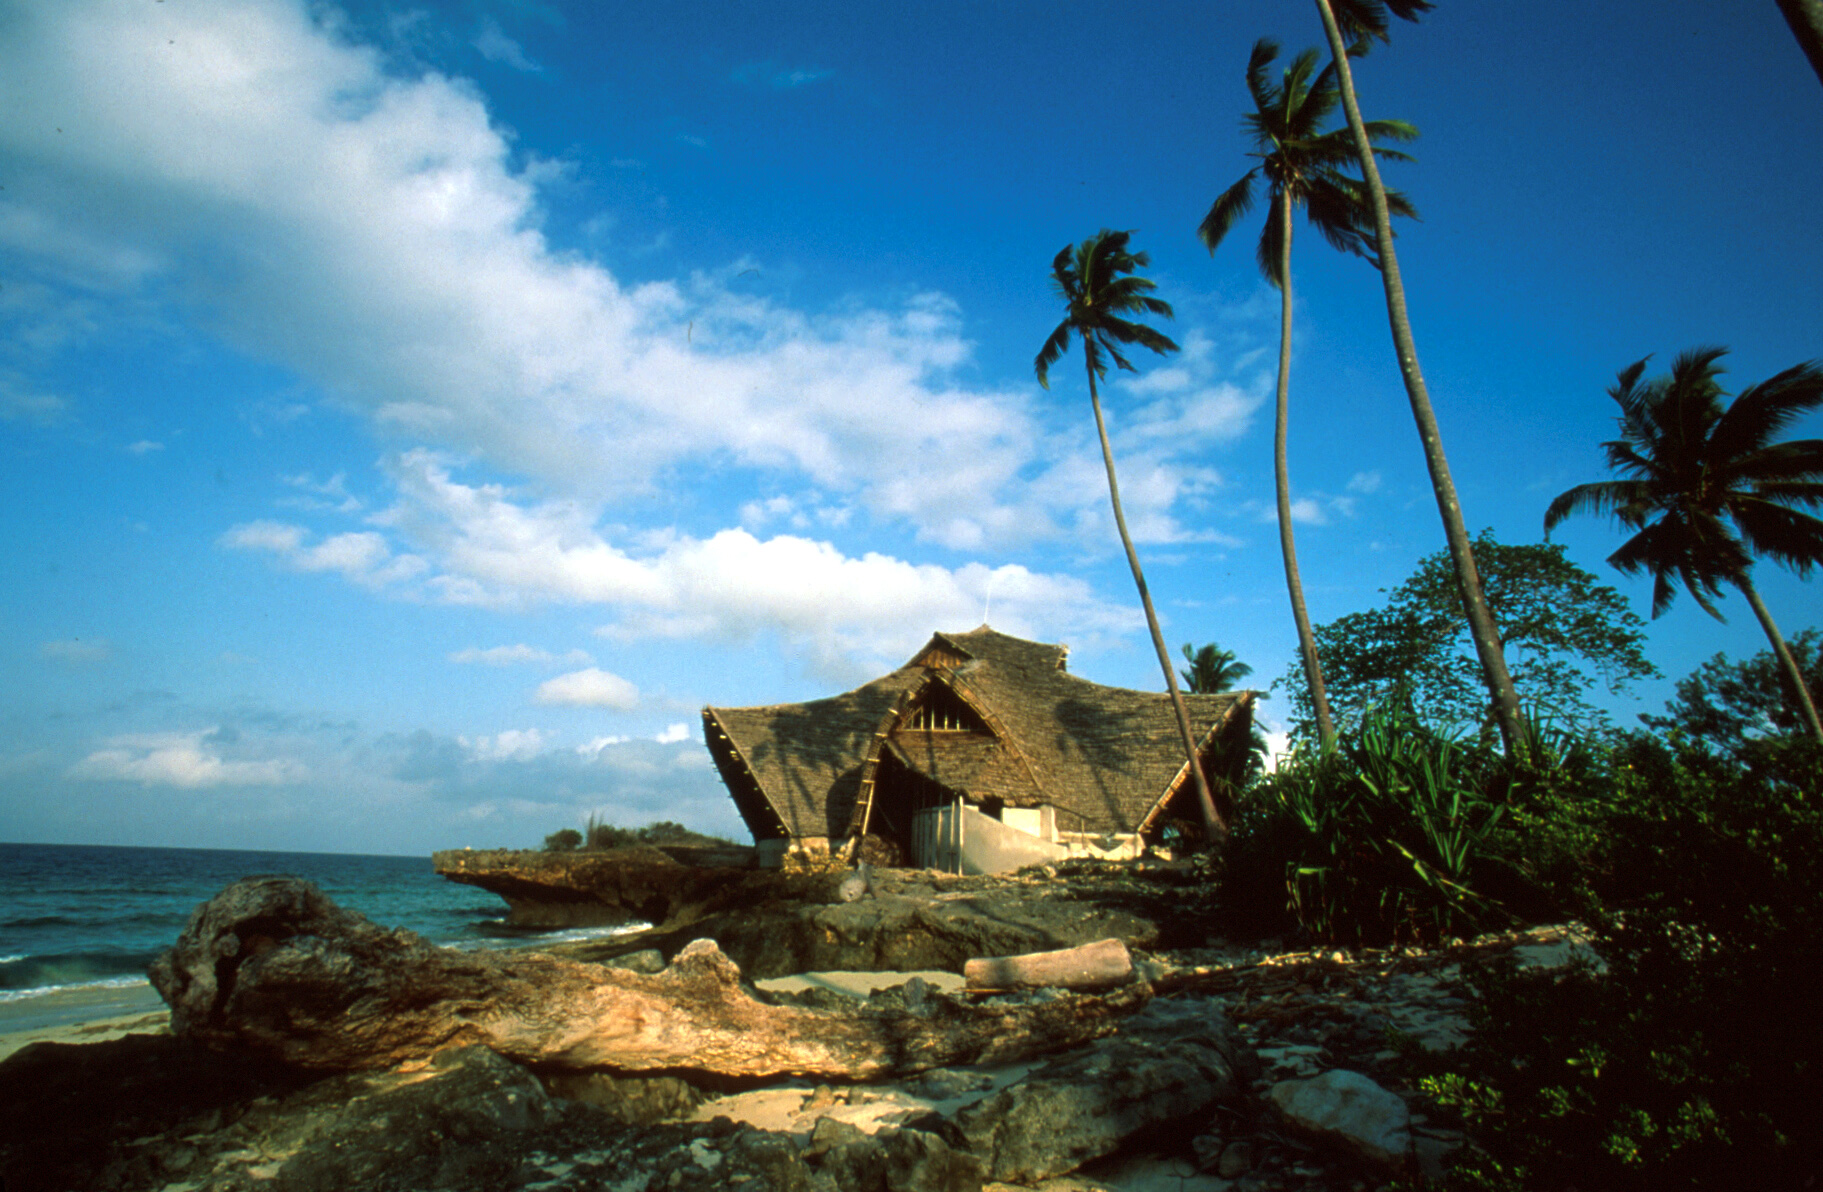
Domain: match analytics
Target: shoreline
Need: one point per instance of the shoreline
(82, 1014)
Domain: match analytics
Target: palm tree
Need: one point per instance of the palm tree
(1100, 288)
(1302, 165)
(1213, 670)
(1364, 19)
(1720, 489)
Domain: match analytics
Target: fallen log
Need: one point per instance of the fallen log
(1100, 965)
(274, 966)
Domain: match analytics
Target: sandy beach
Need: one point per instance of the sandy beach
(86, 1014)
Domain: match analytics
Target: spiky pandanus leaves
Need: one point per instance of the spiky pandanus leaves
(1706, 487)
(1302, 166)
(1102, 294)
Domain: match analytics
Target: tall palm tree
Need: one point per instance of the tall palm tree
(1098, 282)
(1364, 19)
(1707, 489)
(1213, 670)
(1302, 165)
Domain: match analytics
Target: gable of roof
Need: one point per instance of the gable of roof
(1108, 758)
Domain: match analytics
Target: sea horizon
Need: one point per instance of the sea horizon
(80, 923)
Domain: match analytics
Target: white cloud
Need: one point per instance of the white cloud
(1364, 482)
(362, 556)
(331, 494)
(1309, 511)
(591, 687)
(517, 654)
(512, 745)
(378, 233)
(144, 446)
(496, 46)
(676, 732)
(186, 760)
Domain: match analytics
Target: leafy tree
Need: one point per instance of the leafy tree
(1100, 287)
(1734, 708)
(563, 840)
(1364, 19)
(1707, 489)
(1302, 165)
(1213, 670)
(1566, 632)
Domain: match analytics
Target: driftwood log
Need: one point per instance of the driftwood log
(1099, 965)
(274, 966)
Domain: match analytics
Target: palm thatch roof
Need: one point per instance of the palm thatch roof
(983, 716)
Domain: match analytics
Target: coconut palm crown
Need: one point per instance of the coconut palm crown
(1100, 289)
(1303, 164)
(1706, 489)
(1097, 282)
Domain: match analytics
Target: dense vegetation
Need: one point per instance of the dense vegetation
(599, 835)
(1693, 1057)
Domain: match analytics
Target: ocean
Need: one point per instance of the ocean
(80, 923)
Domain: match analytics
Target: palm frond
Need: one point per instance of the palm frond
(1228, 207)
(1601, 497)
(1259, 84)
(1367, 18)
(1051, 353)
(1761, 411)
(1783, 535)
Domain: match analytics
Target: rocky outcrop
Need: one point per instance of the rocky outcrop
(610, 887)
(272, 966)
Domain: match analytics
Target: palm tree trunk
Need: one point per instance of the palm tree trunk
(1806, 20)
(1807, 707)
(1281, 476)
(1482, 629)
(1214, 822)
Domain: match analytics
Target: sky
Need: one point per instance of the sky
(412, 415)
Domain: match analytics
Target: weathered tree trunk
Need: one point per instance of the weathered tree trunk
(1281, 478)
(273, 966)
(1482, 629)
(1099, 965)
(1215, 820)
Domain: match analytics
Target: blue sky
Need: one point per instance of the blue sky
(412, 415)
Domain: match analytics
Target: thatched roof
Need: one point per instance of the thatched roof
(1110, 759)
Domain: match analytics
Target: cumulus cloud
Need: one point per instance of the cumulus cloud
(186, 760)
(362, 557)
(375, 230)
(591, 687)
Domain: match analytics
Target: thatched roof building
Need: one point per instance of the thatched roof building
(982, 726)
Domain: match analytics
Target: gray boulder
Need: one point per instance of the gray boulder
(1171, 1065)
(1350, 1110)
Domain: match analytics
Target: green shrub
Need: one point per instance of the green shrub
(563, 840)
(1371, 843)
(1696, 1059)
